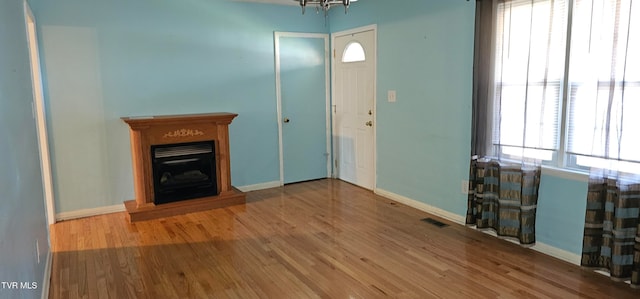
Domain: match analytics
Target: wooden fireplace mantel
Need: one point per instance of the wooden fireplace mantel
(169, 129)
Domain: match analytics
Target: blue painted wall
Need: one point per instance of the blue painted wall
(22, 212)
(107, 59)
(561, 210)
(425, 52)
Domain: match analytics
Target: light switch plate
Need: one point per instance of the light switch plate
(391, 96)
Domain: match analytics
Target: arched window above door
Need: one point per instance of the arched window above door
(353, 52)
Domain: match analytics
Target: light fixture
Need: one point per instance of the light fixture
(325, 5)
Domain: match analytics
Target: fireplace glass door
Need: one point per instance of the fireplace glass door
(183, 171)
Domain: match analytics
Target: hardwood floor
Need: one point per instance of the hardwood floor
(324, 238)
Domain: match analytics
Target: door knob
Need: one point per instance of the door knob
(369, 124)
(286, 120)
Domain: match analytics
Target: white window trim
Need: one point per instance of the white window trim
(559, 166)
(565, 173)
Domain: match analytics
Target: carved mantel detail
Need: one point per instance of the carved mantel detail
(183, 133)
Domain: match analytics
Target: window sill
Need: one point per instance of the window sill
(568, 174)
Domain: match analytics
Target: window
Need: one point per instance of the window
(353, 52)
(576, 80)
(530, 58)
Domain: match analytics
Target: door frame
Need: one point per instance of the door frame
(39, 113)
(374, 28)
(276, 39)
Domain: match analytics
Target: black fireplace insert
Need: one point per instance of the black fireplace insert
(183, 171)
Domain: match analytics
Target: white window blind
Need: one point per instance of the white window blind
(599, 67)
(529, 74)
(604, 81)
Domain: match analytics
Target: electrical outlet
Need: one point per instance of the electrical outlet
(464, 187)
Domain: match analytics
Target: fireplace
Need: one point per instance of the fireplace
(183, 171)
(181, 164)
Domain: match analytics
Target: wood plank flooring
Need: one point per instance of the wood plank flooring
(320, 239)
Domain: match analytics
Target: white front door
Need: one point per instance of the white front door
(354, 106)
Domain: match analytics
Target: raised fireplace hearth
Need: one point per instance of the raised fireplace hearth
(180, 165)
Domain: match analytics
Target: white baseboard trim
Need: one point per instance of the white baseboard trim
(558, 253)
(260, 186)
(89, 212)
(421, 206)
(46, 280)
(539, 246)
(120, 207)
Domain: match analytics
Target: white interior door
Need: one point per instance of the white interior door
(354, 105)
(39, 114)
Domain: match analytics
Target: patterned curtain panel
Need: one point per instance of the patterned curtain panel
(504, 197)
(612, 227)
